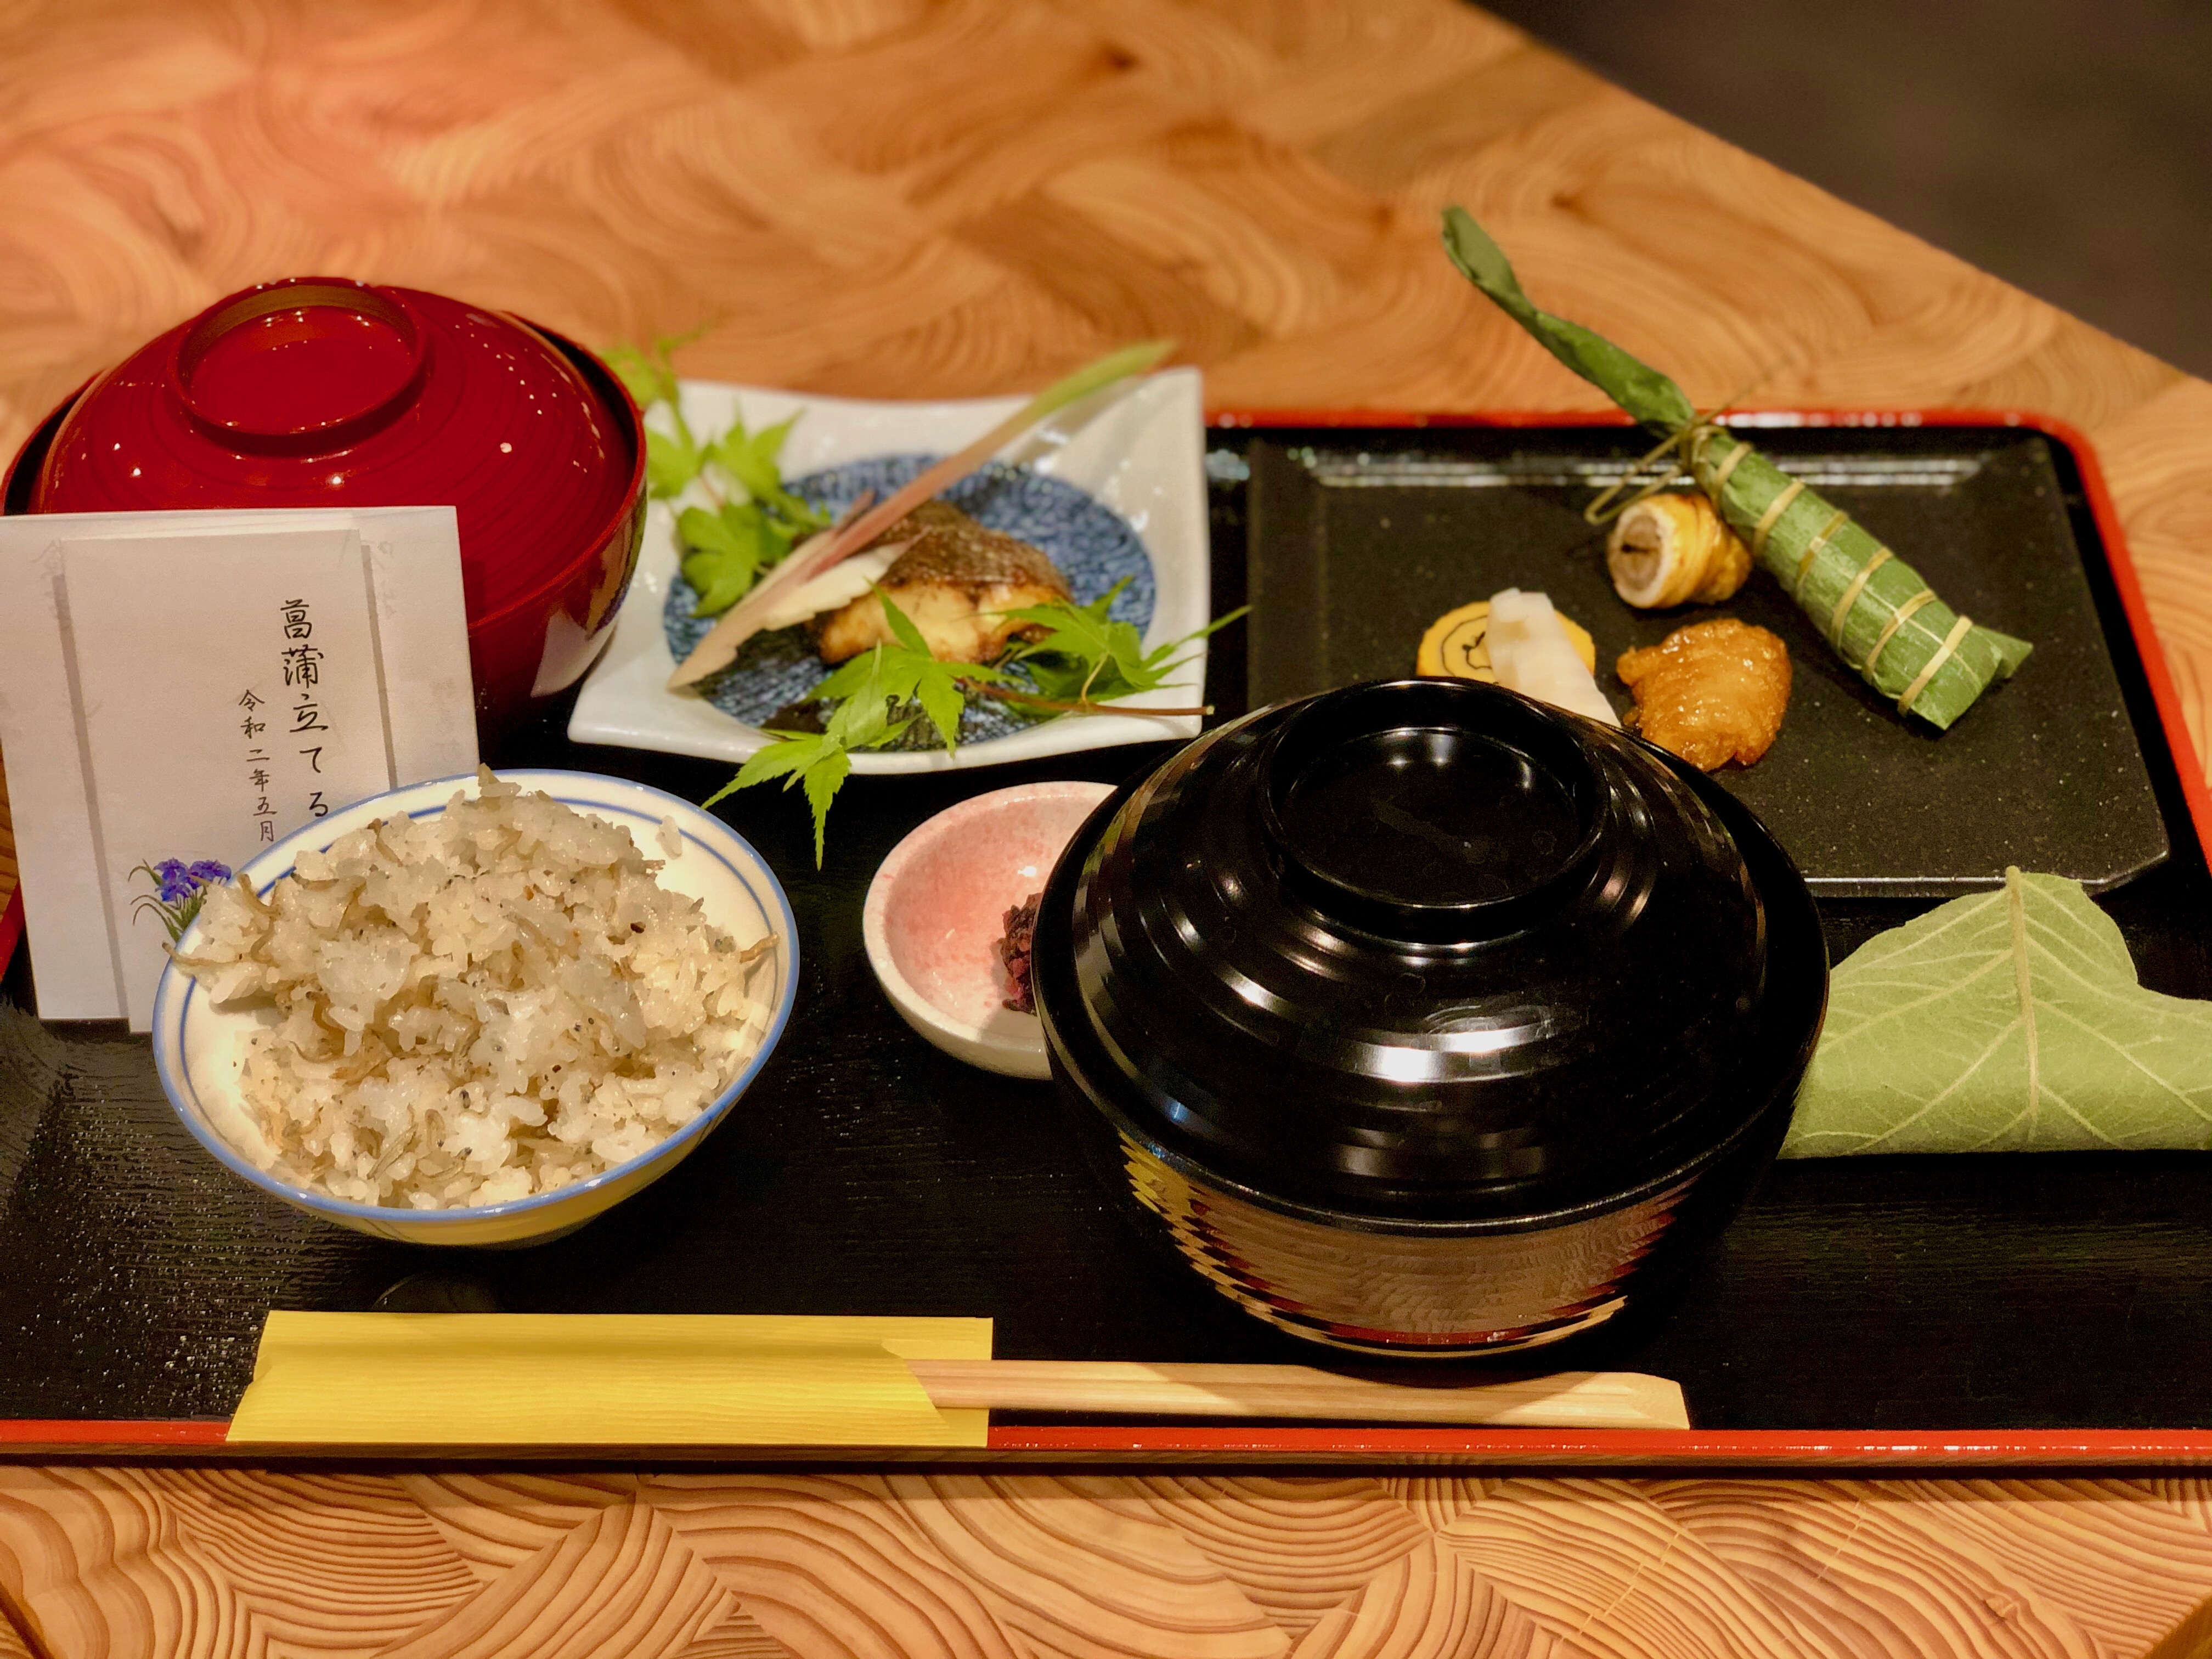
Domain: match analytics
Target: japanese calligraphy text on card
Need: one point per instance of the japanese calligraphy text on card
(179, 692)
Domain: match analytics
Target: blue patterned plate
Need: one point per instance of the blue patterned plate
(1092, 545)
(1112, 490)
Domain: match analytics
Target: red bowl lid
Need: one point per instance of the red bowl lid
(324, 392)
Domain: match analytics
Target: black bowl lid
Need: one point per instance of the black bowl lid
(1416, 948)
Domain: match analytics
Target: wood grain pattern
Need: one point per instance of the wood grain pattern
(954, 197)
(2102, 1566)
(1298, 1548)
(1019, 187)
(796, 1565)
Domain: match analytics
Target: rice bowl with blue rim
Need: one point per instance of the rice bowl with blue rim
(200, 1047)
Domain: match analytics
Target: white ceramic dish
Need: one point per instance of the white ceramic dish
(937, 908)
(198, 1048)
(1139, 451)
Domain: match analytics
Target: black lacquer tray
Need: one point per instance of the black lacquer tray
(1358, 539)
(2006, 1309)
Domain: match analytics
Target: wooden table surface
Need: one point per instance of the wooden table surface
(894, 196)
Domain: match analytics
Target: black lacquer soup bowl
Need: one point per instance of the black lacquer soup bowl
(1421, 1017)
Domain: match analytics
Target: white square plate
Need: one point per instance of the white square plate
(1139, 450)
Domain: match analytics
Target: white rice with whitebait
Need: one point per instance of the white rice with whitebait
(479, 1006)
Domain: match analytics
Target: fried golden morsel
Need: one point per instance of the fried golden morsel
(1712, 692)
(1675, 550)
(1457, 645)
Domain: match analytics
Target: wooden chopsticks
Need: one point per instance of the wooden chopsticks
(1576, 1399)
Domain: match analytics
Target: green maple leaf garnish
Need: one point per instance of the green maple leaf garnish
(817, 760)
(1082, 653)
(647, 374)
(912, 674)
(1084, 657)
(751, 530)
(727, 548)
(672, 460)
(1082, 660)
(872, 693)
(754, 521)
(673, 457)
(749, 461)
(725, 556)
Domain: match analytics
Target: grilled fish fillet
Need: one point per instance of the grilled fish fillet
(951, 577)
(1712, 692)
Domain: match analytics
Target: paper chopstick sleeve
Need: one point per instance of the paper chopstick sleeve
(603, 1379)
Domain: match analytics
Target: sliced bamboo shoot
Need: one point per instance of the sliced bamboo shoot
(1531, 653)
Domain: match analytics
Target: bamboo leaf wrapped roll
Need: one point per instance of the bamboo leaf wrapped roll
(1874, 609)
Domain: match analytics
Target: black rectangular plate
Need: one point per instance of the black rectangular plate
(1361, 539)
(866, 1173)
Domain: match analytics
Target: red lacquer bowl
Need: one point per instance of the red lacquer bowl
(323, 391)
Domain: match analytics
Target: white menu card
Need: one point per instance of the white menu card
(179, 690)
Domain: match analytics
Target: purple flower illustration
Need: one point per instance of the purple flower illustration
(179, 889)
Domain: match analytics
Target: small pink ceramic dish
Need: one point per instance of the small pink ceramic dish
(937, 908)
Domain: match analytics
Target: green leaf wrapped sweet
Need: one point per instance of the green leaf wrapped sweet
(1874, 609)
(2010, 1021)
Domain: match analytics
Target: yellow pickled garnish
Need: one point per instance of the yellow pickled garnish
(1456, 645)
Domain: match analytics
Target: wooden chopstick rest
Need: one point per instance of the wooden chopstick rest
(1576, 1399)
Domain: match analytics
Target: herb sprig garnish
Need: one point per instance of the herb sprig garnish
(1082, 663)
(753, 522)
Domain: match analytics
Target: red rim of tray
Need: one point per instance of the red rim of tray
(1169, 1443)
(1819, 1451)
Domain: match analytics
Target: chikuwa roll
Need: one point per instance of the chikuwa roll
(1672, 549)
